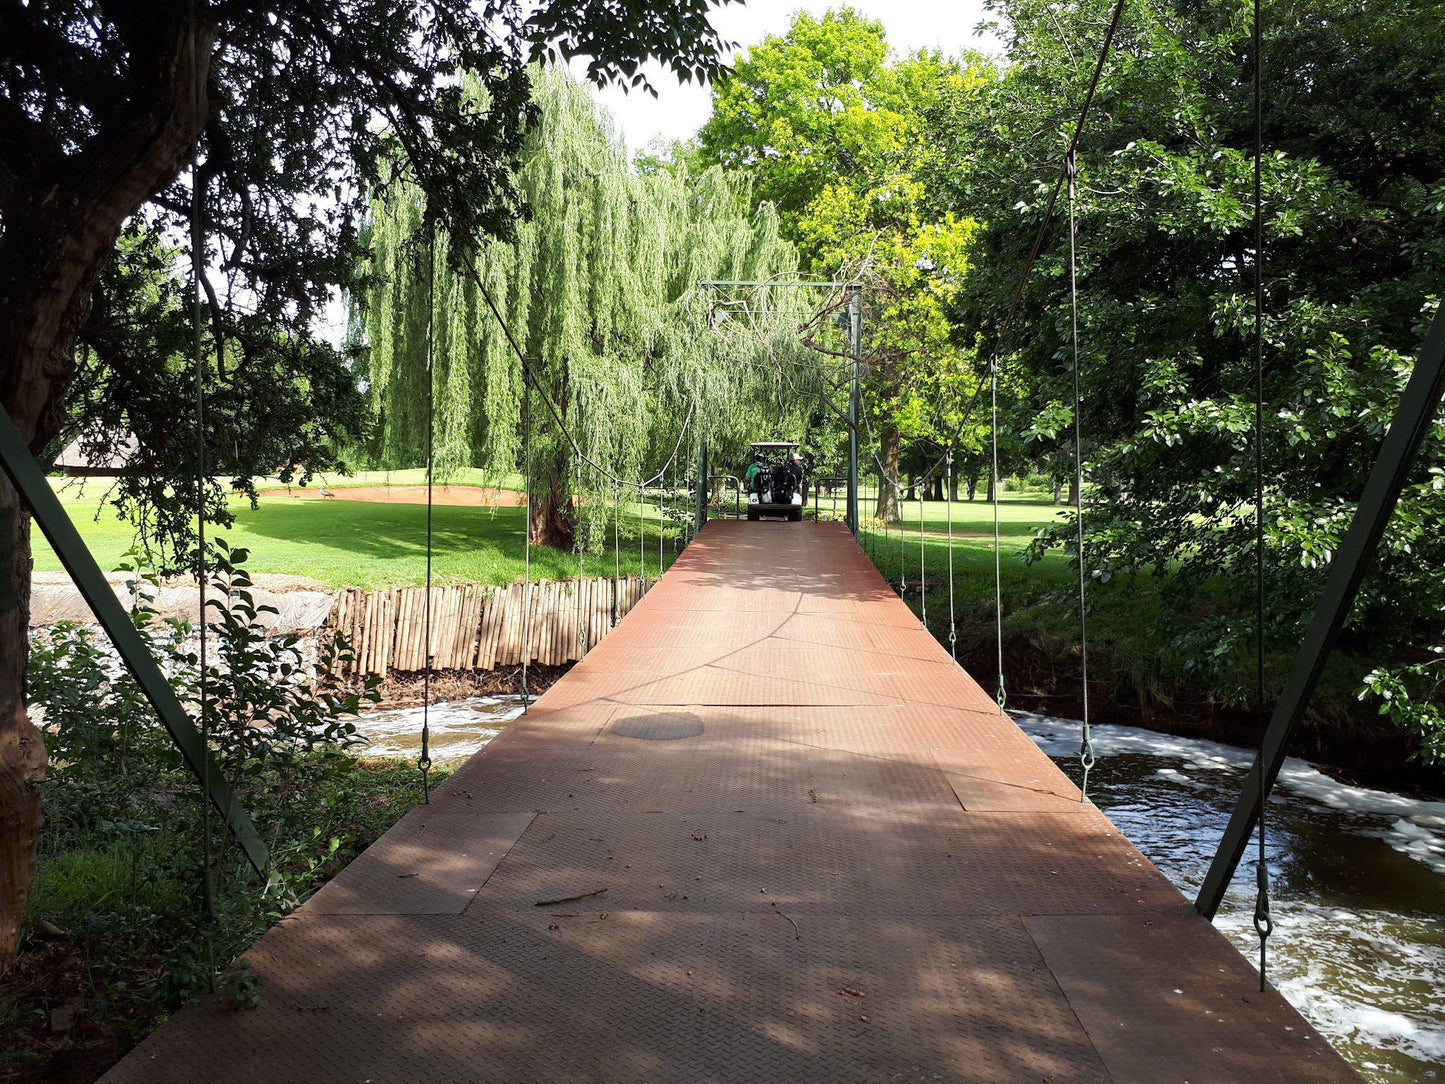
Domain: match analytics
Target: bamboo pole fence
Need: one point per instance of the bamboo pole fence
(475, 627)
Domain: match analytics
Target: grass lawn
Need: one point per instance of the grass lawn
(375, 544)
(367, 544)
(1134, 622)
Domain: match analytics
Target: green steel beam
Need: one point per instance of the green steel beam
(1408, 430)
(704, 480)
(27, 477)
(855, 351)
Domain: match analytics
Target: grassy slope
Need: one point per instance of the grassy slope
(366, 544)
(369, 544)
(1133, 658)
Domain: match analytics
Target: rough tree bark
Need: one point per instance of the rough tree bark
(890, 446)
(553, 521)
(63, 212)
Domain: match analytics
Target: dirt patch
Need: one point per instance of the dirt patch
(466, 496)
(404, 688)
(280, 582)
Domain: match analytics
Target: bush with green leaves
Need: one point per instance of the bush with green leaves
(121, 866)
(1354, 265)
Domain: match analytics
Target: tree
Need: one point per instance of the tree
(831, 125)
(600, 289)
(104, 107)
(1354, 198)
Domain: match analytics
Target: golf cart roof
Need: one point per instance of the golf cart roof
(774, 444)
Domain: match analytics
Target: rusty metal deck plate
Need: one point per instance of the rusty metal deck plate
(431, 863)
(765, 831)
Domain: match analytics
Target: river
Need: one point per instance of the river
(1358, 875)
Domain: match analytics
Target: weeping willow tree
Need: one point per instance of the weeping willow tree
(600, 291)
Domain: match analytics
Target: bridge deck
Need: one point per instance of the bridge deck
(791, 841)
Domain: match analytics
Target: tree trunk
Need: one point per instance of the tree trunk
(1058, 490)
(890, 446)
(992, 489)
(1074, 492)
(912, 494)
(553, 521)
(973, 477)
(22, 753)
(59, 230)
(937, 494)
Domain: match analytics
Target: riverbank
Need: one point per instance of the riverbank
(116, 935)
(1361, 751)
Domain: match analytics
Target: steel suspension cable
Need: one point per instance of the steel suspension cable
(883, 549)
(1086, 743)
(197, 210)
(948, 500)
(424, 760)
(922, 564)
(902, 573)
(526, 535)
(581, 552)
(1263, 922)
(616, 547)
(1001, 692)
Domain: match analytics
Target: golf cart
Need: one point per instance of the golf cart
(774, 481)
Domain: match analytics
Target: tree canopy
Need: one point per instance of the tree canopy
(600, 289)
(833, 126)
(285, 118)
(1353, 262)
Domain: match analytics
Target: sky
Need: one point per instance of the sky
(680, 109)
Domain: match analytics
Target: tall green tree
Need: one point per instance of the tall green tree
(103, 108)
(600, 289)
(1354, 222)
(831, 124)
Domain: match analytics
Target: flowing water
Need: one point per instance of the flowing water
(1358, 875)
(1357, 883)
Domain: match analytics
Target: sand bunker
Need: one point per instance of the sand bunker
(474, 496)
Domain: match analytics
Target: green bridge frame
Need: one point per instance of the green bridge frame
(28, 478)
(1398, 452)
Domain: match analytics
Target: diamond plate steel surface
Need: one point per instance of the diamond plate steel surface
(1139, 991)
(431, 863)
(845, 864)
(634, 996)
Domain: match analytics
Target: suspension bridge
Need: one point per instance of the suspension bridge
(766, 830)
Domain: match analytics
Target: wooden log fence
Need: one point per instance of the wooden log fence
(475, 627)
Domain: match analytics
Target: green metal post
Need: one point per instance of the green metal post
(855, 348)
(702, 482)
(1408, 430)
(27, 477)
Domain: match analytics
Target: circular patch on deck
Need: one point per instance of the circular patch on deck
(659, 726)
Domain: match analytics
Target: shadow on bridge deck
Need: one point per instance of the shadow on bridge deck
(790, 841)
